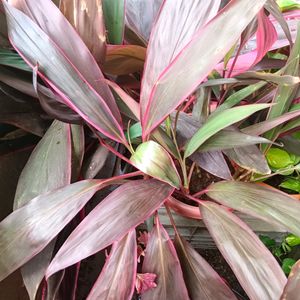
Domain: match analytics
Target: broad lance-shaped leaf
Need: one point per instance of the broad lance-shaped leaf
(115, 216)
(181, 19)
(87, 18)
(268, 204)
(52, 156)
(254, 266)
(161, 259)
(218, 122)
(291, 290)
(249, 158)
(154, 160)
(202, 281)
(114, 14)
(201, 54)
(49, 18)
(29, 229)
(213, 162)
(117, 278)
(54, 67)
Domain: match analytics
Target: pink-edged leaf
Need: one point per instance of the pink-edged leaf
(49, 18)
(152, 159)
(213, 162)
(140, 16)
(266, 36)
(202, 281)
(127, 99)
(187, 17)
(55, 68)
(161, 259)
(116, 215)
(87, 18)
(145, 282)
(29, 229)
(52, 156)
(262, 127)
(265, 203)
(249, 158)
(291, 290)
(184, 209)
(196, 59)
(253, 265)
(117, 278)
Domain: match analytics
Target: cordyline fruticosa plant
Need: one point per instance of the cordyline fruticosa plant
(163, 89)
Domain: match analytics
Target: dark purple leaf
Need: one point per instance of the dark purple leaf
(161, 259)
(115, 216)
(117, 278)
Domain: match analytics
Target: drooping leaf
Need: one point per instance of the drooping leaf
(249, 158)
(52, 156)
(125, 59)
(87, 18)
(218, 122)
(49, 18)
(64, 78)
(51, 103)
(115, 216)
(242, 250)
(29, 229)
(114, 14)
(24, 115)
(213, 162)
(265, 203)
(291, 290)
(202, 281)
(117, 278)
(161, 259)
(165, 88)
(154, 160)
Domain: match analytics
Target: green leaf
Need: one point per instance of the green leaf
(278, 158)
(268, 204)
(287, 265)
(268, 242)
(288, 4)
(135, 131)
(218, 122)
(12, 59)
(291, 184)
(114, 19)
(154, 160)
(292, 240)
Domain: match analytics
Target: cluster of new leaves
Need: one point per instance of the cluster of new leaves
(140, 94)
